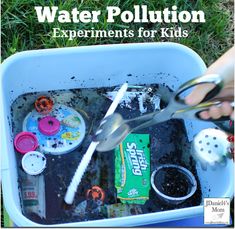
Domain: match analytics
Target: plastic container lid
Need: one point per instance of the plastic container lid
(25, 142)
(49, 125)
(33, 162)
(70, 135)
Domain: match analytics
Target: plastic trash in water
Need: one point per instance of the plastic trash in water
(72, 188)
(96, 193)
(121, 210)
(80, 210)
(85, 208)
(94, 207)
(173, 183)
(49, 125)
(43, 105)
(88, 207)
(25, 142)
(58, 133)
(33, 163)
(211, 148)
(33, 194)
(143, 94)
(72, 121)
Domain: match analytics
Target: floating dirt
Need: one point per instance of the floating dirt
(172, 183)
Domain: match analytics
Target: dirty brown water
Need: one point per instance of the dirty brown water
(169, 144)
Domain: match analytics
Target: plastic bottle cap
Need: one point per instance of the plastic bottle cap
(44, 105)
(33, 162)
(96, 193)
(49, 125)
(25, 142)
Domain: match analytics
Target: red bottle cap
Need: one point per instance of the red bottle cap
(49, 125)
(25, 142)
(96, 193)
(43, 105)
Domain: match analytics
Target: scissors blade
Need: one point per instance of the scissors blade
(149, 119)
(162, 116)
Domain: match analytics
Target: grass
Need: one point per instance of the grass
(21, 30)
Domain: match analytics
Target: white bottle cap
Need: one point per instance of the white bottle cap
(33, 162)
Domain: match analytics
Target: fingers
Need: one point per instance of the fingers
(226, 109)
(216, 112)
(199, 92)
(227, 92)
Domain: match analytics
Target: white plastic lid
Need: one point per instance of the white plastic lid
(33, 162)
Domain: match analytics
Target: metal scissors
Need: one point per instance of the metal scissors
(113, 129)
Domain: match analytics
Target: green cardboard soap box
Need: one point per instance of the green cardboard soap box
(132, 169)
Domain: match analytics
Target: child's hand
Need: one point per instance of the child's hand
(224, 66)
(214, 112)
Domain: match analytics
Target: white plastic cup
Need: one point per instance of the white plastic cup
(171, 199)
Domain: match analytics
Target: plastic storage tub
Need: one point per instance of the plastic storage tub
(96, 66)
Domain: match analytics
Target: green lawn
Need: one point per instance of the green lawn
(21, 30)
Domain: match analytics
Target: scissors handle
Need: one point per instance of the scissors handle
(210, 78)
(194, 111)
